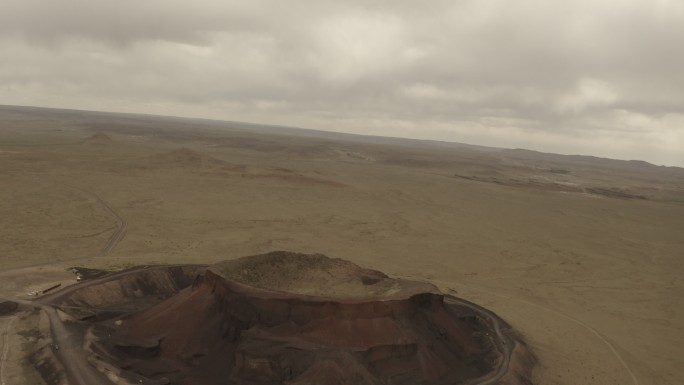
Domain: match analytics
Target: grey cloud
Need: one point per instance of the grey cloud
(121, 22)
(563, 75)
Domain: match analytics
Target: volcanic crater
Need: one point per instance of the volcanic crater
(290, 318)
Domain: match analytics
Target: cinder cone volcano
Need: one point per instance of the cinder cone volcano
(286, 318)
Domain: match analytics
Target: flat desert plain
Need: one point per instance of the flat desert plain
(583, 256)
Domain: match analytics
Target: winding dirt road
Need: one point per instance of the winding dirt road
(504, 344)
(65, 346)
(118, 235)
(5, 348)
(111, 242)
(71, 354)
(114, 239)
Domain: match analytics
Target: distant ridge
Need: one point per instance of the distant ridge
(129, 121)
(633, 164)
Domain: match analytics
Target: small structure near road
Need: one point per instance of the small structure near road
(51, 288)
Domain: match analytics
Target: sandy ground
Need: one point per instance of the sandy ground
(592, 282)
(18, 338)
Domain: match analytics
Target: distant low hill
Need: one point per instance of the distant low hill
(99, 138)
(185, 157)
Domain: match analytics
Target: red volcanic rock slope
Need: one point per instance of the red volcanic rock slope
(223, 331)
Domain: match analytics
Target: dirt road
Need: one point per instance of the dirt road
(71, 354)
(5, 347)
(123, 224)
(502, 342)
(64, 346)
(111, 242)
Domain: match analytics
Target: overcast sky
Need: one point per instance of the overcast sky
(579, 76)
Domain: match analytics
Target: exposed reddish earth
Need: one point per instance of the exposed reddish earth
(286, 318)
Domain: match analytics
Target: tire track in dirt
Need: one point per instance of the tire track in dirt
(593, 331)
(111, 242)
(5, 349)
(121, 229)
(74, 362)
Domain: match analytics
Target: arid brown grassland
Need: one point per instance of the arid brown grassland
(583, 256)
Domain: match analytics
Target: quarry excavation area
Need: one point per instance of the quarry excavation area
(276, 318)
